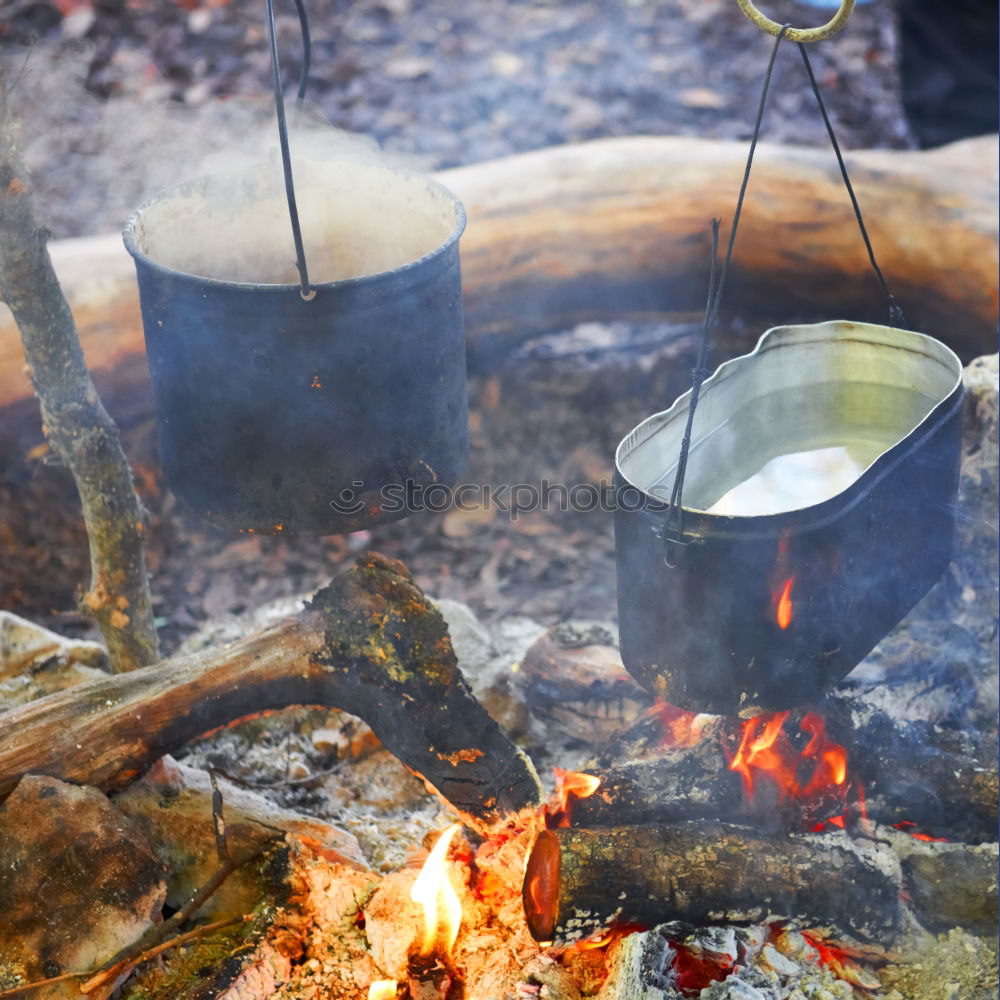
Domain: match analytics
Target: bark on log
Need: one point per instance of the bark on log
(941, 778)
(579, 881)
(690, 783)
(951, 885)
(76, 424)
(369, 643)
(617, 229)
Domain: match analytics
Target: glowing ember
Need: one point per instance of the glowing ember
(434, 891)
(907, 826)
(843, 962)
(767, 754)
(382, 989)
(681, 729)
(695, 970)
(569, 785)
(783, 612)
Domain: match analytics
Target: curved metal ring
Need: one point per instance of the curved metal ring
(799, 34)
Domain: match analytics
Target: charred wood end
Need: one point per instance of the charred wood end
(540, 892)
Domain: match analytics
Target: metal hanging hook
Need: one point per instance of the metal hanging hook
(828, 30)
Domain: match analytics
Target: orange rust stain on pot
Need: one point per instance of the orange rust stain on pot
(461, 756)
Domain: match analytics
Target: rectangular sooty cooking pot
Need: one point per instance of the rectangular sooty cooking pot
(766, 611)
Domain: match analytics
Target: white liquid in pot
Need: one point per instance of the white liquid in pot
(790, 482)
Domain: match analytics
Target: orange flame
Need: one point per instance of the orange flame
(434, 891)
(569, 785)
(765, 752)
(783, 611)
(681, 729)
(382, 989)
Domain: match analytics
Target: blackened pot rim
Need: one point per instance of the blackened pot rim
(129, 237)
(699, 522)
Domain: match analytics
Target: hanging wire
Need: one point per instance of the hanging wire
(673, 532)
(895, 312)
(286, 158)
(674, 527)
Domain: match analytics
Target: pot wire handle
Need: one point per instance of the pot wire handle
(896, 317)
(306, 292)
(673, 531)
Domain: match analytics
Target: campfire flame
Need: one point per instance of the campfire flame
(681, 729)
(569, 785)
(382, 989)
(783, 609)
(434, 891)
(767, 754)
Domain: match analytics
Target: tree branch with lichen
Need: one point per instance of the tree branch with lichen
(79, 429)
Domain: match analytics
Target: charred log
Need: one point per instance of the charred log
(579, 881)
(939, 777)
(951, 885)
(912, 772)
(369, 643)
(689, 783)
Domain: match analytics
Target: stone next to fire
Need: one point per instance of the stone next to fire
(940, 664)
(78, 882)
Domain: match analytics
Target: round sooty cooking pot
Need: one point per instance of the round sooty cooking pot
(819, 503)
(278, 413)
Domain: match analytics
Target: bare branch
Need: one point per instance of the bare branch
(78, 427)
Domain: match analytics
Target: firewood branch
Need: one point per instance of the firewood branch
(78, 427)
(369, 643)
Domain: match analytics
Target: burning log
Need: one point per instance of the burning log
(918, 772)
(909, 772)
(686, 783)
(579, 881)
(369, 643)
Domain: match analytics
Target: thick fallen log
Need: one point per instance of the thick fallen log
(580, 881)
(618, 229)
(369, 643)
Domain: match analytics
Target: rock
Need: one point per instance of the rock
(950, 885)
(639, 967)
(172, 806)
(78, 881)
(573, 683)
(35, 662)
(488, 661)
(940, 663)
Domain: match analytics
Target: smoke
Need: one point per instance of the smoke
(93, 161)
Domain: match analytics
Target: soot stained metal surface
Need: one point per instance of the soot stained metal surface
(766, 612)
(279, 414)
